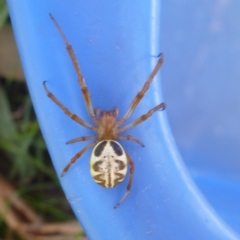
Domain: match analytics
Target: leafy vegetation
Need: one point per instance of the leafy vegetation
(25, 166)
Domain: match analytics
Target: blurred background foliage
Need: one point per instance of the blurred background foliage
(24, 161)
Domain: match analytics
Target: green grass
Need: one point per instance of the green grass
(3, 12)
(24, 159)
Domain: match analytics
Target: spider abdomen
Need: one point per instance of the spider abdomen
(108, 163)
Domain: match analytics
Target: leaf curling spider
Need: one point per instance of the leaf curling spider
(109, 161)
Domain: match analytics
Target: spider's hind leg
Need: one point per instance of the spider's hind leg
(131, 163)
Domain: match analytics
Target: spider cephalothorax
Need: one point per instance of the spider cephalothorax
(107, 127)
(109, 160)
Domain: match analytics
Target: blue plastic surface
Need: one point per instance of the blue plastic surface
(116, 43)
(201, 87)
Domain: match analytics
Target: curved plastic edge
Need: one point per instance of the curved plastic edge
(116, 44)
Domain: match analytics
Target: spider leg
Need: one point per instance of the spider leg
(80, 77)
(66, 111)
(128, 137)
(76, 157)
(161, 107)
(131, 163)
(80, 139)
(140, 95)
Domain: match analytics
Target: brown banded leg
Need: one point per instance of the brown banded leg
(140, 95)
(76, 157)
(81, 139)
(161, 107)
(80, 77)
(131, 163)
(129, 137)
(66, 111)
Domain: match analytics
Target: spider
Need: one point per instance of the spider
(109, 161)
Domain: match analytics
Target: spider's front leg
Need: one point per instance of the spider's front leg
(144, 117)
(66, 111)
(140, 95)
(129, 137)
(83, 86)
